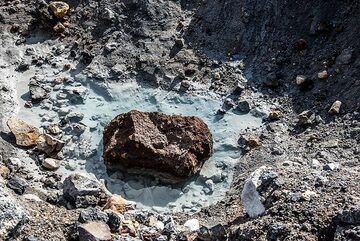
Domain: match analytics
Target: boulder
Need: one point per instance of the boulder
(83, 190)
(26, 135)
(171, 147)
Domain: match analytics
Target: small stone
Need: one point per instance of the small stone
(59, 28)
(243, 106)
(275, 115)
(67, 66)
(300, 79)
(323, 74)
(5, 88)
(59, 9)
(314, 163)
(118, 204)
(332, 166)
(300, 44)
(253, 141)
(92, 214)
(94, 231)
(308, 195)
(23, 67)
(51, 164)
(179, 42)
(335, 108)
(17, 184)
(306, 117)
(229, 103)
(192, 224)
(114, 221)
(54, 129)
(128, 227)
(4, 171)
(217, 76)
(346, 57)
(37, 92)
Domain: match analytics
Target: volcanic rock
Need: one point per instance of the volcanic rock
(94, 231)
(26, 135)
(171, 147)
(59, 9)
(49, 145)
(83, 191)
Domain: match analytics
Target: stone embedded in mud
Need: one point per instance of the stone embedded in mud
(171, 147)
(59, 9)
(26, 135)
(37, 92)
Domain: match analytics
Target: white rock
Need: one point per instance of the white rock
(159, 225)
(192, 224)
(51, 164)
(250, 197)
(314, 163)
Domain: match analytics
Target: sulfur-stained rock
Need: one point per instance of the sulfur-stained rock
(118, 204)
(171, 147)
(25, 134)
(59, 9)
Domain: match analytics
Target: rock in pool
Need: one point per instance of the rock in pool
(170, 147)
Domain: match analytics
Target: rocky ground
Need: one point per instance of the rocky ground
(293, 64)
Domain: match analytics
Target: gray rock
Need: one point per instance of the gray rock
(243, 106)
(331, 166)
(37, 92)
(94, 231)
(84, 190)
(92, 214)
(12, 216)
(345, 57)
(17, 184)
(51, 164)
(250, 197)
(115, 220)
(306, 117)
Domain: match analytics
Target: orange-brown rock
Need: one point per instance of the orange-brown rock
(171, 147)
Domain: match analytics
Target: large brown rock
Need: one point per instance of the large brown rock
(171, 147)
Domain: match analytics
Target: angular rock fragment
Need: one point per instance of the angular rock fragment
(12, 216)
(59, 9)
(171, 147)
(260, 180)
(49, 145)
(37, 92)
(94, 231)
(26, 135)
(51, 164)
(82, 190)
(118, 204)
(335, 108)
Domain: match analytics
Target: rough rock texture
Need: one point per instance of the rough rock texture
(12, 216)
(25, 134)
(84, 190)
(173, 147)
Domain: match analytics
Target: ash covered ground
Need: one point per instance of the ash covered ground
(284, 74)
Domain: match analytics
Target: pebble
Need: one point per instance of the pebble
(335, 108)
(51, 164)
(192, 224)
(92, 214)
(243, 106)
(323, 74)
(314, 163)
